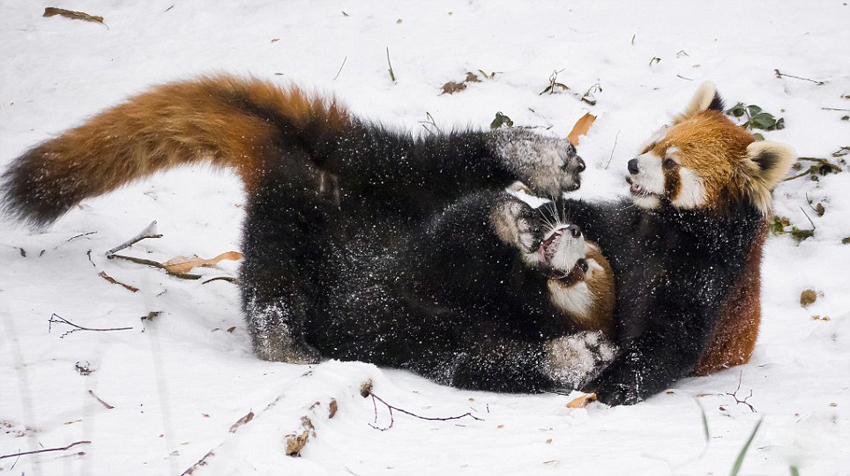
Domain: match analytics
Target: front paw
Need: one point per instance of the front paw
(516, 224)
(611, 389)
(548, 165)
(572, 360)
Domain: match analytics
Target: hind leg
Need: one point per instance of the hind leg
(285, 242)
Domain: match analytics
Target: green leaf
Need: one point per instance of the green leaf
(795, 471)
(753, 109)
(780, 124)
(737, 110)
(845, 118)
(743, 453)
(758, 136)
(763, 120)
(500, 121)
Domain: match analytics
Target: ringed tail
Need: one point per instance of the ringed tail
(244, 124)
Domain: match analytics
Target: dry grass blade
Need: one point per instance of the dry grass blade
(581, 127)
(53, 11)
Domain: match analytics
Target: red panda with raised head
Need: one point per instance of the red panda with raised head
(685, 250)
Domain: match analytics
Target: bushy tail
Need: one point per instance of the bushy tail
(231, 122)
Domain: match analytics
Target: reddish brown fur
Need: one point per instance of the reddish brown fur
(601, 285)
(179, 123)
(713, 147)
(737, 327)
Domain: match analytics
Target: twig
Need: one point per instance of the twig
(392, 75)
(148, 232)
(834, 109)
(85, 442)
(810, 220)
(735, 394)
(222, 278)
(612, 150)
(88, 253)
(682, 77)
(390, 408)
(80, 236)
(112, 280)
(155, 264)
(108, 406)
(56, 318)
(779, 75)
(340, 68)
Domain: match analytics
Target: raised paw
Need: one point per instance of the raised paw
(573, 360)
(517, 224)
(548, 165)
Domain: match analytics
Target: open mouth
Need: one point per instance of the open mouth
(549, 246)
(639, 191)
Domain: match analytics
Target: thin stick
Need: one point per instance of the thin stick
(834, 109)
(780, 75)
(392, 420)
(735, 394)
(810, 220)
(148, 232)
(112, 280)
(612, 150)
(222, 278)
(56, 318)
(392, 75)
(80, 236)
(108, 406)
(85, 442)
(340, 68)
(155, 264)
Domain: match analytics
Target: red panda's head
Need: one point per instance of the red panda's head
(705, 161)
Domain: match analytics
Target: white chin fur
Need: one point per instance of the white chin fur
(569, 251)
(647, 202)
(575, 300)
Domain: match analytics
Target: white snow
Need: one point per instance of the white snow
(177, 383)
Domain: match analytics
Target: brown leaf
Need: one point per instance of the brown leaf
(332, 408)
(231, 329)
(245, 419)
(52, 11)
(452, 87)
(807, 297)
(581, 127)
(296, 443)
(471, 78)
(583, 401)
(181, 264)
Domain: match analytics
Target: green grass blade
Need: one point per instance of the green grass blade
(743, 453)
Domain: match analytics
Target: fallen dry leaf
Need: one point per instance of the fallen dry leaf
(809, 296)
(181, 264)
(245, 419)
(581, 127)
(582, 401)
(452, 87)
(53, 11)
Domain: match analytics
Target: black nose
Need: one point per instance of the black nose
(633, 166)
(580, 164)
(574, 230)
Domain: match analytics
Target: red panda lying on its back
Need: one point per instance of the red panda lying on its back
(685, 250)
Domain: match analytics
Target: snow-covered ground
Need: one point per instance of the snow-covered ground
(177, 383)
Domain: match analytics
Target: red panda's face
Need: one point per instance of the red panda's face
(704, 159)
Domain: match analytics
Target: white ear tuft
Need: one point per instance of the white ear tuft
(773, 160)
(701, 101)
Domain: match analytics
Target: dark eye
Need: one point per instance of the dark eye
(582, 263)
(669, 163)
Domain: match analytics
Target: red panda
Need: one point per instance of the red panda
(685, 250)
(360, 242)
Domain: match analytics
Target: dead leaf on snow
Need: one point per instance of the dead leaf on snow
(582, 401)
(453, 87)
(53, 11)
(581, 127)
(181, 264)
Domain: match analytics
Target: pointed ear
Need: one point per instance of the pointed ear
(705, 99)
(772, 160)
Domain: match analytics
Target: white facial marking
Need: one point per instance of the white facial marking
(650, 181)
(569, 251)
(691, 191)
